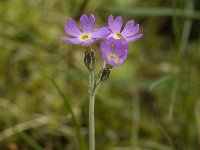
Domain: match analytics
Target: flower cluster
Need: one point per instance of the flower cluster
(114, 47)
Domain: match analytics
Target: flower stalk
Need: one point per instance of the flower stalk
(92, 93)
(91, 122)
(113, 46)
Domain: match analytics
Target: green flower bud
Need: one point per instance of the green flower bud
(89, 59)
(105, 73)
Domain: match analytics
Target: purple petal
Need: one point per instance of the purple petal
(112, 35)
(110, 21)
(135, 29)
(134, 38)
(121, 48)
(115, 25)
(128, 29)
(89, 42)
(71, 31)
(87, 23)
(122, 60)
(71, 40)
(72, 28)
(111, 62)
(106, 47)
(101, 32)
(132, 31)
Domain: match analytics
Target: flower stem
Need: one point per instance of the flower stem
(91, 112)
(93, 87)
(91, 81)
(91, 122)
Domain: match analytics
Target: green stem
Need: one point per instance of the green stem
(91, 112)
(91, 81)
(91, 122)
(94, 86)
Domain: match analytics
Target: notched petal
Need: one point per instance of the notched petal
(128, 29)
(101, 32)
(115, 25)
(87, 23)
(72, 28)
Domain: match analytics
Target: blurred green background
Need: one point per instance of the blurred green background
(152, 102)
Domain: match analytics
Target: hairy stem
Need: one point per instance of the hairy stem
(91, 81)
(91, 112)
(93, 85)
(91, 122)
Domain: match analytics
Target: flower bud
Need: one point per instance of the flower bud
(89, 59)
(105, 73)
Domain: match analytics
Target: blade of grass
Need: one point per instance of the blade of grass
(19, 131)
(160, 82)
(136, 122)
(189, 6)
(153, 11)
(32, 38)
(174, 91)
(21, 127)
(30, 141)
(175, 84)
(167, 137)
(181, 49)
(68, 106)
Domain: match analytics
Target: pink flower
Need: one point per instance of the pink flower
(129, 32)
(87, 34)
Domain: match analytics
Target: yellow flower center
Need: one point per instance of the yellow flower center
(85, 36)
(118, 36)
(113, 56)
